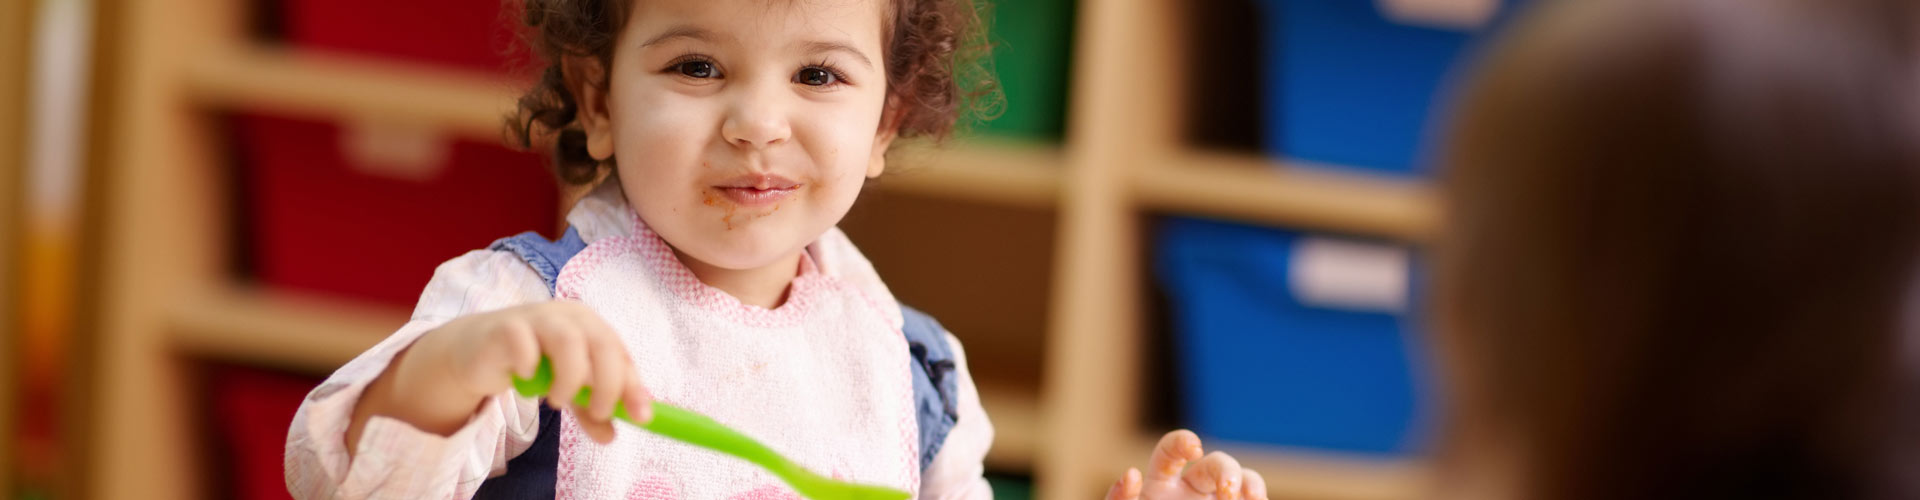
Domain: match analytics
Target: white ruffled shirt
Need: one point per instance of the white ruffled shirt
(395, 460)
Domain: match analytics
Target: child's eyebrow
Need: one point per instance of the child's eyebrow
(682, 31)
(820, 46)
(704, 35)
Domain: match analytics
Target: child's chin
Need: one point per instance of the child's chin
(746, 248)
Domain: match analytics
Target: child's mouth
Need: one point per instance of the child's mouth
(754, 197)
(757, 190)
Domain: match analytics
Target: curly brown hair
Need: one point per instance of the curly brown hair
(934, 56)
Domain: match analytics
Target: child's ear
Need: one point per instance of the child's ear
(587, 81)
(883, 139)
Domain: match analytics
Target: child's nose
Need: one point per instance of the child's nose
(756, 123)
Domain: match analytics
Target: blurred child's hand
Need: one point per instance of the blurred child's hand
(475, 355)
(1177, 471)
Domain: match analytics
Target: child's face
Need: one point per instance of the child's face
(744, 129)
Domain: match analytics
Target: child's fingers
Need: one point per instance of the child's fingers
(601, 431)
(567, 349)
(1172, 454)
(1128, 488)
(1256, 488)
(1218, 474)
(614, 377)
(523, 350)
(639, 399)
(609, 376)
(1118, 491)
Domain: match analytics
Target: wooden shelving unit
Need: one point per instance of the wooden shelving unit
(997, 172)
(1237, 186)
(15, 35)
(310, 334)
(1125, 156)
(239, 76)
(1075, 429)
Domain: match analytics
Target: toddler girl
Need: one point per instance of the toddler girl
(724, 140)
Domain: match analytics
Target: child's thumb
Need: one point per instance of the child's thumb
(1128, 488)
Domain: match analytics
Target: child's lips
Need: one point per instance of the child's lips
(757, 190)
(757, 181)
(753, 197)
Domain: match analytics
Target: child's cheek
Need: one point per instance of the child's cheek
(659, 136)
(848, 141)
(843, 166)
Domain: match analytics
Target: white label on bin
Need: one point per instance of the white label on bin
(395, 150)
(1350, 275)
(1450, 14)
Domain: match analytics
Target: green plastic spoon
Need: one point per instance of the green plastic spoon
(698, 430)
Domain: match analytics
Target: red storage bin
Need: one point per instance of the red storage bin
(252, 409)
(320, 214)
(463, 33)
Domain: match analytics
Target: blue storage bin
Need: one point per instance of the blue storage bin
(1350, 87)
(1257, 362)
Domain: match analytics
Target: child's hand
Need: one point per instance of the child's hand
(1173, 474)
(475, 356)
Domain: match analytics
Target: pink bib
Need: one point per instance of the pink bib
(823, 379)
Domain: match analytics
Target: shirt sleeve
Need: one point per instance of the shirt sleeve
(958, 471)
(394, 459)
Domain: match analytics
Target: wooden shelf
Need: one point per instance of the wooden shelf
(1015, 412)
(1001, 172)
(349, 89)
(1313, 477)
(1295, 475)
(281, 329)
(1256, 189)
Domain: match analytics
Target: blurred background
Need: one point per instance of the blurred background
(1187, 214)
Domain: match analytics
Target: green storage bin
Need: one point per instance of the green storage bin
(1032, 56)
(1006, 487)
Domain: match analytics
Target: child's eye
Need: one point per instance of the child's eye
(697, 69)
(816, 77)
